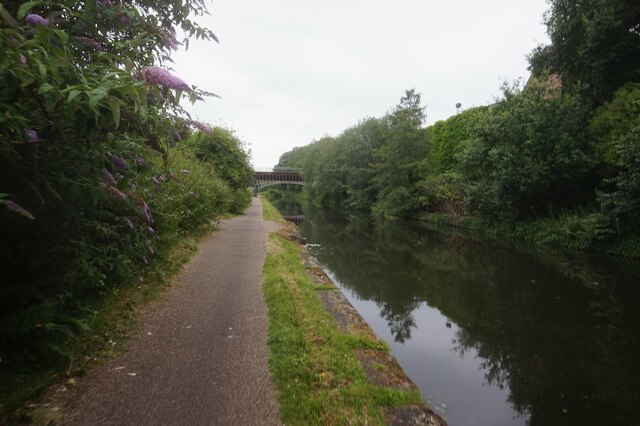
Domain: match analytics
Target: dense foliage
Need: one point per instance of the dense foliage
(96, 184)
(594, 46)
(561, 151)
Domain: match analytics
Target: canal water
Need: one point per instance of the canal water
(492, 334)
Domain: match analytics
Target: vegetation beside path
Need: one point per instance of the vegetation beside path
(318, 376)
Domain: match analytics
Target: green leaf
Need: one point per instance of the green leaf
(114, 107)
(8, 19)
(72, 95)
(96, 96)
(44, 88)
(42, 69)
(26, 7)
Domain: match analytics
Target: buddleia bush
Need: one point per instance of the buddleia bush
(95, 187)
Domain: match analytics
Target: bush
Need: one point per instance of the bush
(528, 157)
(623, 202)
(613, 121)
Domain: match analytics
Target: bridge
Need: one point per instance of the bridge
(277, 177)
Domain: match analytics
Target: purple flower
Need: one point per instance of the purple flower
(32, 20)
(162, 178)
(151, 230)
(116, 192)
(201, 126)
(108, 177)
(123, 19)
(90, 43)
(184, 171)
(16, 208)
(169, 41)
(150, 250)
(128, 222)
(140, 279)
(145, 260)
(120, 163)
(177, 137)
(23, 59)
(31, 135)
(139, 161)
(106, 2)
(162, 77)
(155, 181)
(146, 211)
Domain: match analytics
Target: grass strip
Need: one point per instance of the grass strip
(318, 377)
(269, 212)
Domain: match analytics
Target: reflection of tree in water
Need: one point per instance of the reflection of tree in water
(556, 330)
(374, 268)
(400, 323)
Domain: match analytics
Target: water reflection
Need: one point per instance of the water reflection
(557, 333)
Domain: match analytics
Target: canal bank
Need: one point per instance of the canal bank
(499, 333)
(327, 363)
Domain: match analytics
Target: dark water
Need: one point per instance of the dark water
(492, 334)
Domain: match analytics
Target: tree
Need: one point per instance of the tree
(399, 161)
(529, 156)
(595, 46)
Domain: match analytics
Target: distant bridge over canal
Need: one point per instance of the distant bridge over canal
(277, 177)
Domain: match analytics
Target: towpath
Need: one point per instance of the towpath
(200, 358)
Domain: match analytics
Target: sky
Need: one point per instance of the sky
(290, 72)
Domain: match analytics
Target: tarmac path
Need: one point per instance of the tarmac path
(200, 358)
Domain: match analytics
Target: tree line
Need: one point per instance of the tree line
(563, 150)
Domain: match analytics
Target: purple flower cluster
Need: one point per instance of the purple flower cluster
(116, 192)
(139, 161)
(169, 41)
(32, 20)
(31, 135)
(151, 231)
(150, 250)
(123, 19)
(184, 171)
(201, 126)
(108, 178)
(90, 43)
(128, 222)
(155, 181)
(161, 77)
(17, 208)
(120, 163)
(146, 211)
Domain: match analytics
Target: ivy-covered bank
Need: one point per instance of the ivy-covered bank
(555, 161)
(106, 180)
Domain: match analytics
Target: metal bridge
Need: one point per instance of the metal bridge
(277, 177)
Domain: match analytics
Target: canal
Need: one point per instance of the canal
(491, 333)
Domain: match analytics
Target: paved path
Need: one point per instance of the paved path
(201, 357)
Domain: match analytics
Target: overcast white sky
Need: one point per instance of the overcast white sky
(292, 71)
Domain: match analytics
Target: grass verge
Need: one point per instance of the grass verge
(269, 212)
(318, 377)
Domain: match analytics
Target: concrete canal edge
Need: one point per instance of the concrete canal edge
(381, 368)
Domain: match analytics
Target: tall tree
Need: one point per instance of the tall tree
(595, 46)
(400, 162)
